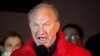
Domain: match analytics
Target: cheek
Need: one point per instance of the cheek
(33, 31)
(8, 48)
(49, 31)
(18, 44)
(52, 33)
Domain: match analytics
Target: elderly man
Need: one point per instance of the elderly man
(46, 34)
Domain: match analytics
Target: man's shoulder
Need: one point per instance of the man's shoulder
(26, 49)
(17, 52)
(77, 50)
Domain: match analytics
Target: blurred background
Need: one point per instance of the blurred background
(85, 13)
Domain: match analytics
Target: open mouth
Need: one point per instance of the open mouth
(42, 40)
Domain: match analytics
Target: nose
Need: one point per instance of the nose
(41, 31)
(13, 48)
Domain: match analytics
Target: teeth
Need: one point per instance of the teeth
(42, 38)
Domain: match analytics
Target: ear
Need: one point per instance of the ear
(57, 26)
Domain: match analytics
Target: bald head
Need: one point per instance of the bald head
(43, 7)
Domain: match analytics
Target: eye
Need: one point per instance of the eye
(9, 45)
(18, 45)
(46, 24)
(35, 24)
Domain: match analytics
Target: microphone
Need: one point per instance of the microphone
(42, 51)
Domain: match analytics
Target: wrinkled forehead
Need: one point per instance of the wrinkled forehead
(43, 14)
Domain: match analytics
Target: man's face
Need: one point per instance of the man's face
(44, 27)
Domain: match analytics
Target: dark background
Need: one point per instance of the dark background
(85, 13)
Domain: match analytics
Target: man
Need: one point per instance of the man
(74, 33)
(45, 28)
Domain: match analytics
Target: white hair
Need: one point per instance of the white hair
(43, 5)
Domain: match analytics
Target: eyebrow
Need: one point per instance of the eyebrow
(46, 22)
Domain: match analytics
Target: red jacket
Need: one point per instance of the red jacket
(63, 48)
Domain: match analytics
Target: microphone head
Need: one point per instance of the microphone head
(41, 51)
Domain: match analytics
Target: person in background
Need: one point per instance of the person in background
(74, 33)
(93, 44)
(9, 42)
(47, 38)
